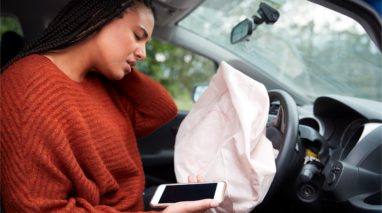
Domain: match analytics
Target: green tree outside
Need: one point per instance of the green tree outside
(177, 69)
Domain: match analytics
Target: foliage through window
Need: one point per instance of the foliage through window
(10, 23)
(177, 69)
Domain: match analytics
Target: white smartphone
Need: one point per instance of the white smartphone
(167, 194)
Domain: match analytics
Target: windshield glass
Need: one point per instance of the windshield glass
(310, 50)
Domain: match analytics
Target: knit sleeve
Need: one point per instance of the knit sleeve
(147, 101)
(35, 182)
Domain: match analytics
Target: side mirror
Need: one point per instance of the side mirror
(198, 90)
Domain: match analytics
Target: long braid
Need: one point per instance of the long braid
(75, 22)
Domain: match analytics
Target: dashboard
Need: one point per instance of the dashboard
(351, 130)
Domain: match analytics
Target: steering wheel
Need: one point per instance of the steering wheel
(283, 133)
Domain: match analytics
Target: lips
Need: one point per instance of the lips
(131, 65)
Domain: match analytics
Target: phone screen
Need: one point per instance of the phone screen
(176, 193)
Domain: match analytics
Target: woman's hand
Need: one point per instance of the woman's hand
(192, 206)
(195, 179)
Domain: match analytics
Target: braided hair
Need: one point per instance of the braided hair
(75, 22)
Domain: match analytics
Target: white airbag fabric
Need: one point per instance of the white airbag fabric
(223, 139)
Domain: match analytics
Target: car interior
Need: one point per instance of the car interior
(329, 149)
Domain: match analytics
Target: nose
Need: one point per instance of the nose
(140, 52)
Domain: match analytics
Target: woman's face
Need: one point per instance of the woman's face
(122, 42)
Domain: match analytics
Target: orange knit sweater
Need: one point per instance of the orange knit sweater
(71, 146)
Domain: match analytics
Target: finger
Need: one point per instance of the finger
(191, 179)
(193, 206)
(199, 179)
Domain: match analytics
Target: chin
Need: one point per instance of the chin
(117, 74)
(119, 77)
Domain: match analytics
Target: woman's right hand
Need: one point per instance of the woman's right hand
(191, 206)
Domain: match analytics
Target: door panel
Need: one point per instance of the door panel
(157, 153)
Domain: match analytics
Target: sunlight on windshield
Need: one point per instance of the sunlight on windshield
(310, 49)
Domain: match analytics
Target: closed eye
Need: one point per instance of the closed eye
(137, 37)
(142, 33)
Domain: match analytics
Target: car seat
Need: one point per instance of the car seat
(11, 44)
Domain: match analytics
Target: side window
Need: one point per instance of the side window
(11, 38)
(10, 23)
(177, 69)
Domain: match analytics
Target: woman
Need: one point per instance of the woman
(72, 107)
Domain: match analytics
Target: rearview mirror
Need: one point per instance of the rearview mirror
(265, 14)
(241, 31)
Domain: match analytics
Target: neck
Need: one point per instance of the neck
(73, 61)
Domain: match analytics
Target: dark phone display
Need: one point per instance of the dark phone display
(172, 194)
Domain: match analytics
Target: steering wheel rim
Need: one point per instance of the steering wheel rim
(289, 138)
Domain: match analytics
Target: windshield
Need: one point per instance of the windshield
(310, 50)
